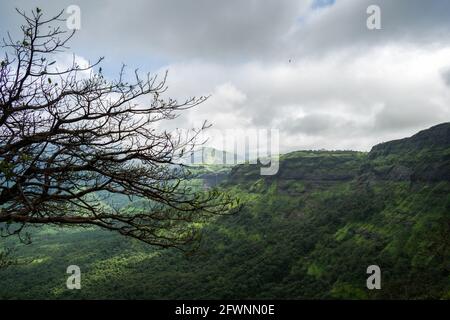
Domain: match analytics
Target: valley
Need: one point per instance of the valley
(309, 232)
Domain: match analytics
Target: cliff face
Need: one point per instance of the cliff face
(342, 210)
(313, 166)
(423, 157)
(436, 137)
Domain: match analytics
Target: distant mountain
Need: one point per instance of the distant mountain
(211, 156)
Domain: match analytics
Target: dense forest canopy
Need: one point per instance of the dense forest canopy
(308, 232)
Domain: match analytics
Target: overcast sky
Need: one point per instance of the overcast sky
(311, 69)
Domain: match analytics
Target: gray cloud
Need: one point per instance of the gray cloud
(446, 75)
(235, 31)
(227, 30)
(343, 25)
(319, 75)
(316, 124)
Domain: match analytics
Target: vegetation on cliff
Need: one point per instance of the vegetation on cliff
(308, 232)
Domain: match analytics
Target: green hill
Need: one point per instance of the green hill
(308, 232)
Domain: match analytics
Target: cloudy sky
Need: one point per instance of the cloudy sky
(311, 68)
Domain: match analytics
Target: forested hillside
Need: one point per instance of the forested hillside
(308, 232)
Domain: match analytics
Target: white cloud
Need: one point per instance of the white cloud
(319, 75)
(348, 101)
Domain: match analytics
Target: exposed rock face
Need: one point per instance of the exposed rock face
(314, 168)
(320, 167)
(396, 172)
(399, 173)
(433, 172)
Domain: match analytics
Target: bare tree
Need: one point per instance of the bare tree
(69, 138)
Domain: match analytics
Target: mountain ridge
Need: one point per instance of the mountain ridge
(309, 232)
(437, 135)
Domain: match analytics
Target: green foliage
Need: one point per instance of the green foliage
(309, 232)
